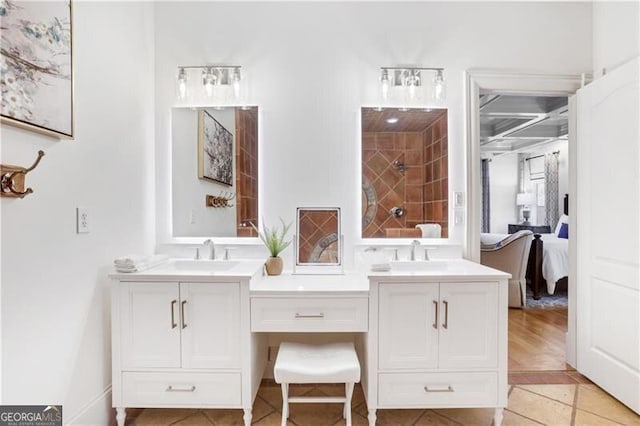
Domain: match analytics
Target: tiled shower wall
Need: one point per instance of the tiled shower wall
(421, 189)
(247, 170)
(436, 170)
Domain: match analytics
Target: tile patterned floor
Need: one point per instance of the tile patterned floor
(578, 403)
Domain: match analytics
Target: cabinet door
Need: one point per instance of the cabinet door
(407, 320)
(210, 324)
(468, 325)
(149, 324)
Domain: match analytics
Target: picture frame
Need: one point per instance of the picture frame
(215, 150)
(37, 62)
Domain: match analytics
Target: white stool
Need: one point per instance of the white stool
(331, 363)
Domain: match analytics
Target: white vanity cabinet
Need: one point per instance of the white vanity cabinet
(182, 339)
(438, 340)
(433, 325)
(179, 325)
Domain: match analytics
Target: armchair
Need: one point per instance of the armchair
(511, 255)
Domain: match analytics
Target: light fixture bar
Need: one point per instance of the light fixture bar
(214, 78)
(407, 81)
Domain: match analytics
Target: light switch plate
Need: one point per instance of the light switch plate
(82, 220)
(458, 199)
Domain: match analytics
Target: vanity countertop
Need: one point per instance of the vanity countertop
(350, 282)
(452, 269)
(196, 270)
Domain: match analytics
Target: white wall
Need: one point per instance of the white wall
(191, 218)
(503, 174)
(55, 301)
(616, 34)
(312, 66)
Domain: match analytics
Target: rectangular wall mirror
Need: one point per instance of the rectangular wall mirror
(405, 173)
(214, 171)
(318, 241)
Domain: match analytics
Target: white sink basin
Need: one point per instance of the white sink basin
(418, 266)
(202, 265)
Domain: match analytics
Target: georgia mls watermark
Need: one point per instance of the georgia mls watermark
(30, 415)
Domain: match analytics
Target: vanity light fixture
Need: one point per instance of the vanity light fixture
(214, 78)
(409, 80)
(392, 120)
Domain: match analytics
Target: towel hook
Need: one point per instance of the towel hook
(12, 179)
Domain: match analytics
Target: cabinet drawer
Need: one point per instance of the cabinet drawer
(181, 389)
(309, 314)
(437, 389)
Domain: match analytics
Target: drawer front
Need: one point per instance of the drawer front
(181, 389)
(424, 390)
(309, 314)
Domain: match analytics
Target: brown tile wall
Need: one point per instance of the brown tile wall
(393, 188)
(315, 228)
(422, 189)
(246, 171)
(436, 162)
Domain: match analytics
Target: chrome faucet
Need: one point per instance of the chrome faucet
(212, 248)
(414, 244)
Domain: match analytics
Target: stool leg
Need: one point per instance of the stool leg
(285, 403)
(347, 402)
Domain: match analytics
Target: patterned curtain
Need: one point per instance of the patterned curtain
(486, 204)
(551, 189)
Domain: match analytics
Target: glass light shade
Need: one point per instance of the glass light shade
(182, 84)
(384, 84)
(439, 89)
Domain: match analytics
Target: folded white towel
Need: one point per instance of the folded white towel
(139, 263)
(381, 267)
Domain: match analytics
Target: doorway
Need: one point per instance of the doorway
(487, 85)
(525, 187)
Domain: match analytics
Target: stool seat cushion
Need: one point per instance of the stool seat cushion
(330, 363)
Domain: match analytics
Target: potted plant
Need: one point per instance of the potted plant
(274, 240)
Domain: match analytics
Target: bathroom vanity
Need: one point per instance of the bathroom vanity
(194, 333)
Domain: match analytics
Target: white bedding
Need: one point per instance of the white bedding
(555, 256)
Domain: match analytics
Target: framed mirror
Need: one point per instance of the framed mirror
(405, 167)
(214, 171)
(318, 241)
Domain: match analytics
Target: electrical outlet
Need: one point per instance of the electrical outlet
(458, 217)
(82, 220)
(192, 217)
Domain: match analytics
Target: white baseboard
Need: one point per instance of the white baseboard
(98, 412)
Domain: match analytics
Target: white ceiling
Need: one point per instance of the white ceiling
(513, 123)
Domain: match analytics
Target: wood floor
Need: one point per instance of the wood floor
(537, 339)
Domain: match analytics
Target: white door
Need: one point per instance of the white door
(468, 325)
(408, 334)
(150, 329)
(210, 324)
(607, 213)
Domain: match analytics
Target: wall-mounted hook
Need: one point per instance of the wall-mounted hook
(12, 179)
(221, 200)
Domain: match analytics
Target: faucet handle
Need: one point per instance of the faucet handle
(426, 252)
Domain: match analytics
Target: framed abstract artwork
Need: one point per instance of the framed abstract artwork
(36, 66)
(215, 150)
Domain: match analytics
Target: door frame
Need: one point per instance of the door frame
(515, 83)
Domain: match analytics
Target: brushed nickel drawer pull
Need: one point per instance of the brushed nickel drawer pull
(172, 389)
(435, 320)
(448, 389)
(320, 315)
(173, 314)
(184, 321)
(446, 314)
